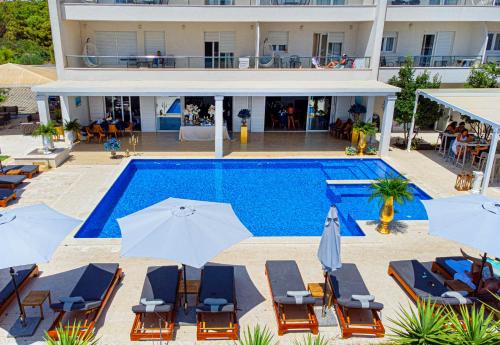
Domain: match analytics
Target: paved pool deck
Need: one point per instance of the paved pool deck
(76, 187)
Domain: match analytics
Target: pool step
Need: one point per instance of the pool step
(334, 182)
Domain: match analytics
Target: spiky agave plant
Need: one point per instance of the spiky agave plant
(427, 325)
(70, 336)
(310, 340)
(257, 336)
(473, 326)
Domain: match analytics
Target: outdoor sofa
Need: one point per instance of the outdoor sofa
(27, 170)
(23, 276)
(216, 308)
(422, 286)
(293, 304)
(11, 181)
(6, 195)
(88, 298)
(155, 313)
(350, 295)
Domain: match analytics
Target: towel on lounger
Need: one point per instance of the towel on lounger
(298, 295)
(151, 303)
(364, 300)
(214, 303)
(69, 301)
(460, 295)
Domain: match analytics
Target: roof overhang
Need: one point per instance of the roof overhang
(213, 88)
(479, 104)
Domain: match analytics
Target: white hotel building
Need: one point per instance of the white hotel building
(144, 60)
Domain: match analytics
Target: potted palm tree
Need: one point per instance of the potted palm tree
(244, 114)
(46, 131)
(389, 190)
(364, 130)
(72, 128)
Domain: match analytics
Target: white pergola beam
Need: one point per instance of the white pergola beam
(42, 103)
(490, 161)
(219, 126)
(386, 128)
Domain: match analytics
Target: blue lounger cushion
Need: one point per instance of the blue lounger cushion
(12, 179)
(287, 283)
(217, 293)
(159, 292)
(90, 290)
(6, 285)
(26, 169)
(6, 193)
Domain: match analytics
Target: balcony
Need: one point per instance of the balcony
(249, 11)
(210, 63)
(478, 3)
(451, 69)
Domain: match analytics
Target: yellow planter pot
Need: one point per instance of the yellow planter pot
(386, 216)
(354, 138)
(361, 144)
(244, 134)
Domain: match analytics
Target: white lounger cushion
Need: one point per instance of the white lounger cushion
(364, 300)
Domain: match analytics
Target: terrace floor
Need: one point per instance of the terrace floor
(77, 186)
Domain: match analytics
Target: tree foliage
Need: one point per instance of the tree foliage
(25, 35)
(483, 76)
(428, 111)
(3, 95)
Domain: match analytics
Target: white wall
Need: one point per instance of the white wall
(258, 114)
(148, 117)
(96, 107)
(238, 104)
(81, 112)
(342, 106)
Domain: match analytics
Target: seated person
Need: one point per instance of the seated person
(337, 64)
(451, 128)
(463, 137)
(460, 128)
(487, 283)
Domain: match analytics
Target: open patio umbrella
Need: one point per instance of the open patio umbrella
(473, 220)
(329, 246)
(190, 232)
(30, 235)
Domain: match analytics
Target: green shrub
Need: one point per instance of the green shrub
(69, 336)
(257, 336)
(474, 327)
(310, 340)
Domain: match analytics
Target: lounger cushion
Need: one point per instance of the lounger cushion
(26, 169)
(6, 193)
(159, 292)
(454, 264)
(12, 179)
(348, 282)
(284, 276)
(92, 287)
(217, 286)
(6, 286)
(423, 283)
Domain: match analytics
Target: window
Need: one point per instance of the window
(124, 108)
(493, 43)
(278, 41)
(389, 42)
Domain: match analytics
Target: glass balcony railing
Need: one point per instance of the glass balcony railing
(228, 2)
(478, 3)
(493, 58)
(227, 62)
(431, 61)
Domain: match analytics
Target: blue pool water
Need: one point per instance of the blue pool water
(280, 197)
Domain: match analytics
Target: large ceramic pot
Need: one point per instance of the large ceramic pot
(361, 143)
(48, 144)
(386, 215)
(243, 134)
(354, 137)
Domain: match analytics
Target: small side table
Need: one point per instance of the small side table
(192, 288)
(36, 298)
(316, 289)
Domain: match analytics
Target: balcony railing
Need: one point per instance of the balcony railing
(478, 3)
(493, 58)
(227, 62)
(228, 2)
(431, 61)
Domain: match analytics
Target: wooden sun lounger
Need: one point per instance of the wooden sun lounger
(217, 321)
(27, 170)
(292, 313)
(344, 283)
(11, 181)
(24, 275)
(7, 195)
(161, 284)
(95, 287)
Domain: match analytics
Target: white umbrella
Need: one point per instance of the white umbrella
(473, 220)
(30, 235)
(187, 231)
(329, 246)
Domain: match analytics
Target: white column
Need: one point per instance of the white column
(370, 105)
(65, 115)
(42, 103)
(375, 39)
(490, 161)
(219, 126)
(412, 124)
(257, 44)
(386, 127)
(485, 43)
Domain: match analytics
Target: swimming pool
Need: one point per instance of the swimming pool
(272, 197)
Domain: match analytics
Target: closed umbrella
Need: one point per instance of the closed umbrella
(190, 232)
(329, 246)
(473, 220)
(30, 235)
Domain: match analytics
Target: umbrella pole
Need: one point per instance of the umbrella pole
(483, 263)
(323, 309)
(185, 287)
(22, 315)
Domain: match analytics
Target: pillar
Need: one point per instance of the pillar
(490, 161)
(370, 106)
(65, 115)
(219, 126)
(375, 39)
(386, 127)
(257, 44)
(42, 103)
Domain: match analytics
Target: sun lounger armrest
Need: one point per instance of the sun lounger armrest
(448, 300)
(215, 308)
(77, 306)
(293, 300)
(349, 303)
